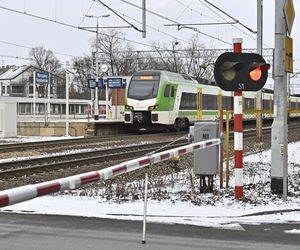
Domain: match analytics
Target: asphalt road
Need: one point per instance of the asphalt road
(24, 231)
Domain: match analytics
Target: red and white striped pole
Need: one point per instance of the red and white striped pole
(238, 132)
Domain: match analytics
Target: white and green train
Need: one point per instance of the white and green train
(156, 100)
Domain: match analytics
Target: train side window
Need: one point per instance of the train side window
(172, 91)
(227, 102)
(210, 102)
(266, 104)
(167, 91)
(188, 101)
(249, 103)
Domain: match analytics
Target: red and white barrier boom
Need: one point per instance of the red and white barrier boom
(24, 193)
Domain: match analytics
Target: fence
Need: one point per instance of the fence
(257, 155)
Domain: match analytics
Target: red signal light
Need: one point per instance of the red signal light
(255, 74)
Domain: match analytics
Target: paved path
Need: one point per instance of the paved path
(28, 232)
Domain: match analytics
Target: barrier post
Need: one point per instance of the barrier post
(227, 147)
(145, 206)
(220, 107)
(199, 104)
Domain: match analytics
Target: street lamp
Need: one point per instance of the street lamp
(174, 52)
(96, 116)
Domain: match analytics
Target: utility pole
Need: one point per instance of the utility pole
(48, 95)
(67, 98)
(144, 17)
(279, 126)
(259, 102)
(96, 116)
(34, 95)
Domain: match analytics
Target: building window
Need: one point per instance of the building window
(17, 89)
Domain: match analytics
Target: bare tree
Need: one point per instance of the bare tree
(84, 71)
(44, 59)
(118, 54)
(167, 57)
(199, 61)
(193, 59)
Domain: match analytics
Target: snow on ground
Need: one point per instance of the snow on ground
(222, 212)
(226, 215)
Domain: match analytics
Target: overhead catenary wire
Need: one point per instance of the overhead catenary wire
(254, 38)
(183, 11)
(113, 11)
(200, 13)
(222, 11)
(27, 47)
(149, 26)
(84, 16)
(157, 30)
(15, 57)
(232, 23)
(70, 25)
(83, 28)
(200, 1)
(173, 21)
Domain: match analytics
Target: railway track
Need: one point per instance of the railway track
(96, 159)
(80, 159)
(78, 143)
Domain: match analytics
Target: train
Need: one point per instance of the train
(159, 100)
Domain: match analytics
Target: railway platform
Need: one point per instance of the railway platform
(77, 127)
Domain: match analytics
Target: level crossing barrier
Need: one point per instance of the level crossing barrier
(28, 192)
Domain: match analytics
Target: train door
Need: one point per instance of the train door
(169, 95)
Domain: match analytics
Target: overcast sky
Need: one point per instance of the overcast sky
(20, 32)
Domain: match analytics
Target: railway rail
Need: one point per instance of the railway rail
(100, 158)
(74, 143)
(81, 159)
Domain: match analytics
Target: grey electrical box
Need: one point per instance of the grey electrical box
(8, 119)
(206, 160)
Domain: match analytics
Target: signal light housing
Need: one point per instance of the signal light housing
(241, 71)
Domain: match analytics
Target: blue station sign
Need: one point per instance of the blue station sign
(92, 83)
(115, 82)
(41, 77)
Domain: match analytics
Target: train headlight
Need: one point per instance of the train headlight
(129, 107)
(152, 107)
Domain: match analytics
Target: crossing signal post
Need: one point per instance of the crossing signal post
(241, 71)
(237, 71)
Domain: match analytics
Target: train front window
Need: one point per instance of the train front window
(143, 87)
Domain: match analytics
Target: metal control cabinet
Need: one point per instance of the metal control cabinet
(206, 160)
(8, 119)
